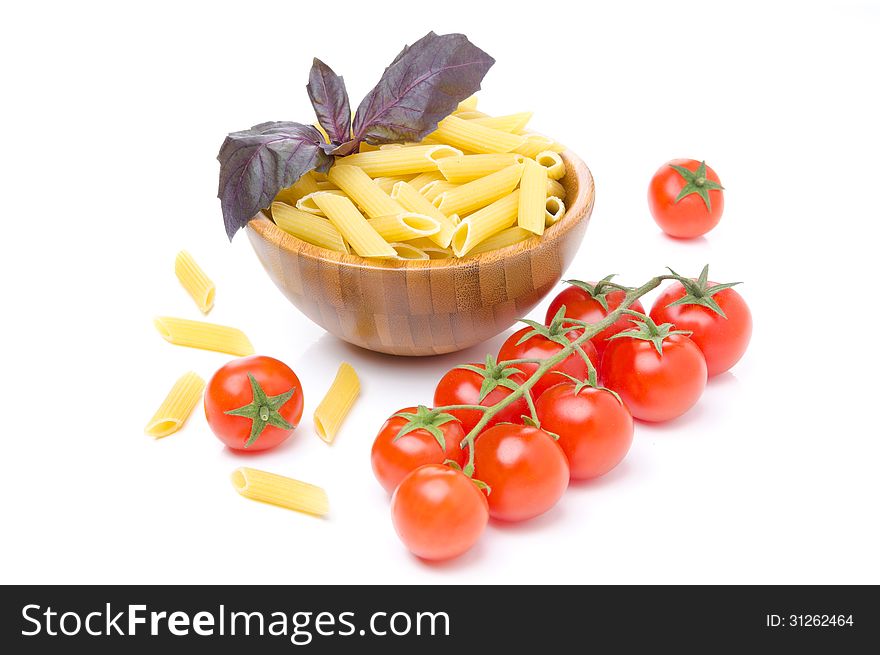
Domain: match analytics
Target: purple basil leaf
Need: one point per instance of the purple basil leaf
(330, 100)
(421, 87)
(256, 164)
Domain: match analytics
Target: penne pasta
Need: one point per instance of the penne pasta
(532, 197)
(308, 227)
(412, 201)
(510, 123)
(554, 188)
(552, 162)
(502, 239)
(207, 336)
(307, 202)
(409, 251)
(367, 147)
(555, 209)
(468, 104)
(467, 115)
(403, 160)
(337, 402)
(434, 189)
(355, 229)
(303, 187)
(534, 144)
(467, 168)
(363, 191)
(280, 491)
(422, 179)
(466, 135)
(485, 222)
(481, 192)
(387, 183)
(197, 284)
(177, 406)
(408, 225)
(326, 186)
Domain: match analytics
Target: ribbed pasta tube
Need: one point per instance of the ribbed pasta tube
(177, 406)
(207, 336)
(532, 197)
(308, 227)
(406, 226)
(555, 210)
(482, 224)
(468, 104)
(479, 193)
(403, 160)
(280, 491)
(307, 202)
(413, 201)
(362, 190)
(509, 123)
(337, 402)
(552, 161)
(409, 251)
(467, 135)
(534, 144)
(467, 168)
(355, 229)
(502, 239)
(197, 284)
(304, 186)
(554, 188)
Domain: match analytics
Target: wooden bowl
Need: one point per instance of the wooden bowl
(426, 307)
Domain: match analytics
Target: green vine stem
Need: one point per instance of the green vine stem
(590, 330)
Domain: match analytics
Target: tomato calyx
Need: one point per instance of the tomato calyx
(482, 486)
(647, 330)
(557, 330)
(696, 182)
(599, 291)
(698, 291)
(494, 375)
(263, 410)
(428, 420)
(590, 383)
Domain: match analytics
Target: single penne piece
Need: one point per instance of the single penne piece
(554, 188)
(502, 239)
(467, 168)
(467, 135)
(485, 222)
(479, 193)
(307, 202)
(197, 284)
(337, 401)
(302, 187)
(555, 209)
(355, 229)
(412, 201)
(409, 251)
(509, 123)
(308, 227)
(280, 491)
(387, 183)
(468, 104)
(362, 190)
(534, 144)
(403, 160)
(434, 189)
(177, 406)
(207, 336)
(406, 226)
(468, 115)
(552, 161)
(438, 253)
(532, 197)
(326, 186)
(422, 179)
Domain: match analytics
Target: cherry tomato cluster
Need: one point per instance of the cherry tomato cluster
(505, 436)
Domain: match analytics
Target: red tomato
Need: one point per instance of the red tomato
(438, 512)
(723, 339)
(686, 198)
(462, 387)
(595, 428)
(655, 386)
(540, 347)
(525, 469)
(394, 458)
(253, 403)
(582, 303)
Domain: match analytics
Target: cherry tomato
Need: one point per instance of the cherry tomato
(594, 426)
(686, 198)
(540, 347)
(462, 386)
(438, 512)
(394, 457)
(253, 403)
(722, 338)
(525, 469)
(583, 302)
(655, 386)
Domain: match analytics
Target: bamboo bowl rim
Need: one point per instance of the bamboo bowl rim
(577, 174)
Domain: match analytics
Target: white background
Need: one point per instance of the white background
(112, 117)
